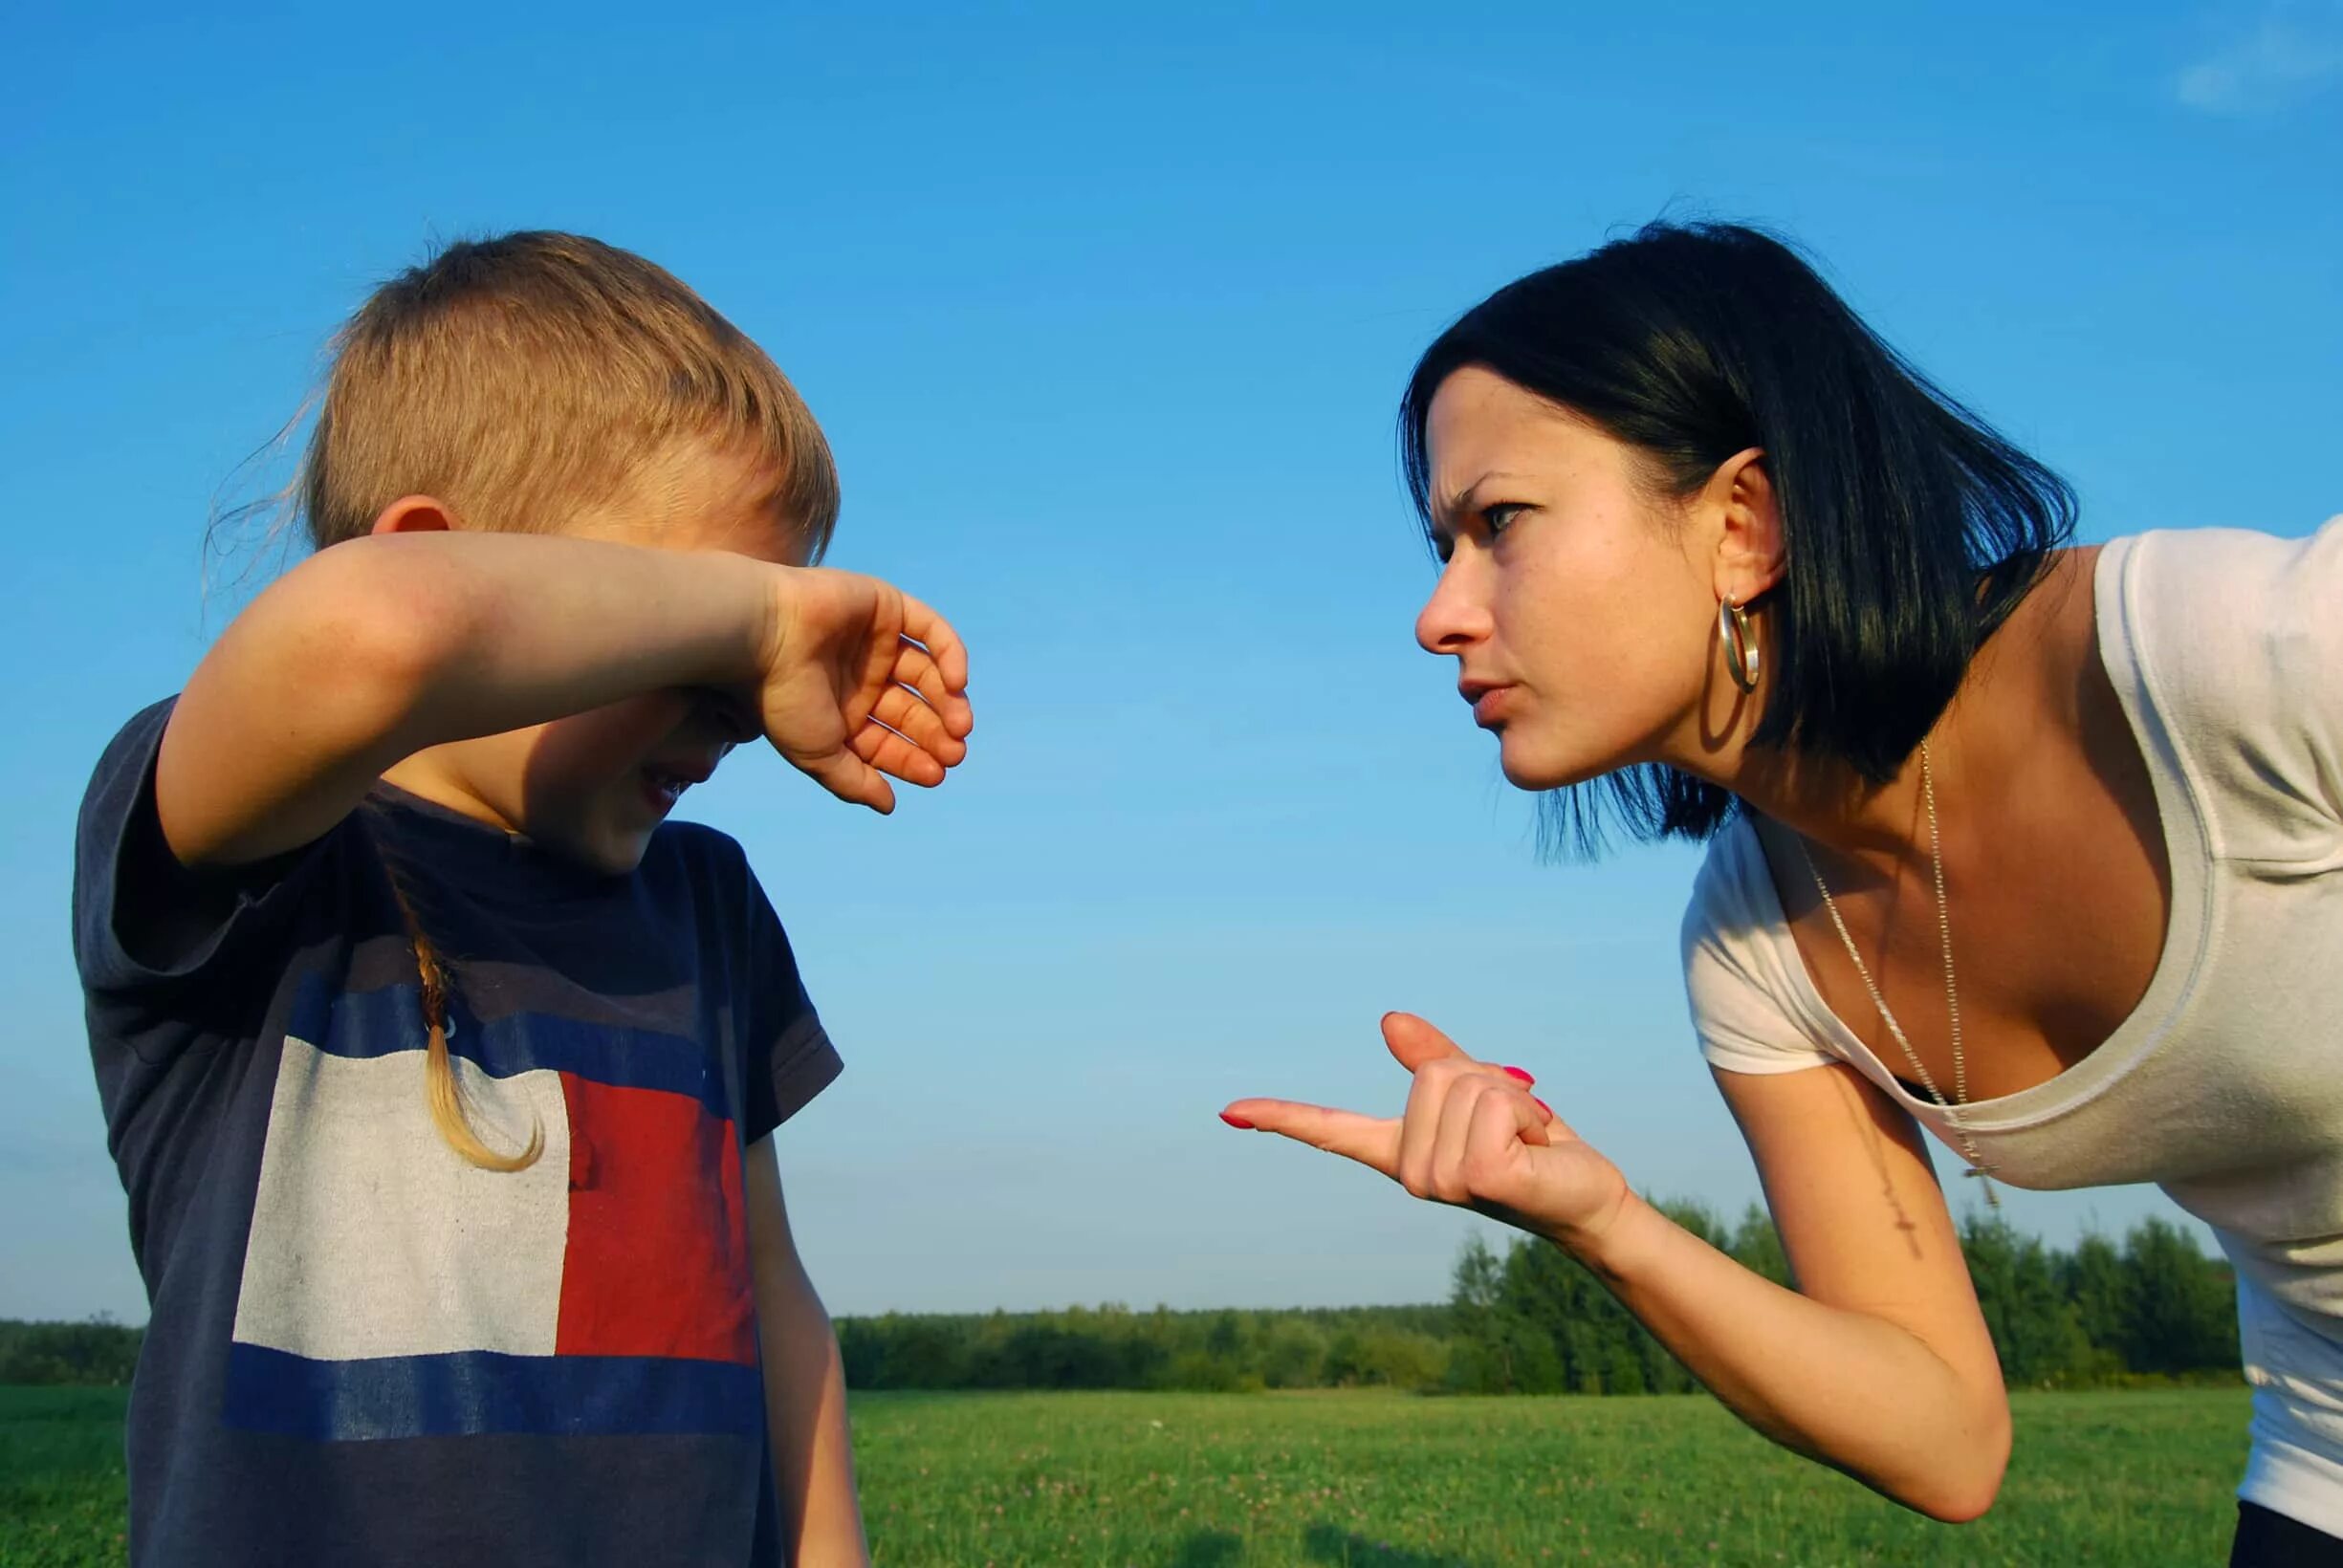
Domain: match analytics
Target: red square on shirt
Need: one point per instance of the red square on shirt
(657, 1261)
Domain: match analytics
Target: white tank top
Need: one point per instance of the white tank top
(2224, 1087)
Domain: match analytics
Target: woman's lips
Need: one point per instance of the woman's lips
(1489, 703)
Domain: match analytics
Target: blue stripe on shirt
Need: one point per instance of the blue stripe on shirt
(478, 1391)
(378, 1023)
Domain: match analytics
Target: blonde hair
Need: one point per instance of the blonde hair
(519, 380)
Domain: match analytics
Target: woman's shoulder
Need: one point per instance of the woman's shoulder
(1738, 980)
(2226, 645)
(1731, 890)
(2216, 576)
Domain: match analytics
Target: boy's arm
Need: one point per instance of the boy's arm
(805, 1385)
(375, 649)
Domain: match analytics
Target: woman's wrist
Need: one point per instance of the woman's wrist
(1615, 1240)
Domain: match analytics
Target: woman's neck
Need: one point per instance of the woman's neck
(1981, 749)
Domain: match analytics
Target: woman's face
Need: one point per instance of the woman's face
(1581, 609)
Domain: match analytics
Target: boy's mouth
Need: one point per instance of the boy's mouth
(664, 786)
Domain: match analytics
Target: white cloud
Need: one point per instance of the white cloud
(2292, 55)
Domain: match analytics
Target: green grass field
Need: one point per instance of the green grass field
(1368, 1480)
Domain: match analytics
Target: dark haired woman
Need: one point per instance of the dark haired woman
(1716, 550)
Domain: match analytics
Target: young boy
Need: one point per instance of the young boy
(439, 1068)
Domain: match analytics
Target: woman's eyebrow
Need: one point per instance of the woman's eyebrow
(1460, 501)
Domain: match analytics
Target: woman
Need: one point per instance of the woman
(1714, 548)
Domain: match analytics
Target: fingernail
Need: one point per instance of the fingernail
(1544, 1106)
(1236, 1121)
(1516, 1072)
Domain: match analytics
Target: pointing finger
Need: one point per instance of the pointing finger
(1372, 1140)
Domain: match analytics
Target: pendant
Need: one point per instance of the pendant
(1992, 1198)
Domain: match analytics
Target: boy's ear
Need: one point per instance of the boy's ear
(416, 514)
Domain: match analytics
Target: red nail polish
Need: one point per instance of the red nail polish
(1236, 1121)
(1516, 1072)
(1544, 1106)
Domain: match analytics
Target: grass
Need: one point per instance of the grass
(1370, 1481)
(61, 1486)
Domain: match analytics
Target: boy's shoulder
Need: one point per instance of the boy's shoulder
(132, 743)
(697, 842)
(710, 869)
(705, 857)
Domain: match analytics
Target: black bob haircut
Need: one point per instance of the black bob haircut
(1911, 526)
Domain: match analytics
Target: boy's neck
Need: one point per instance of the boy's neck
(433, 775)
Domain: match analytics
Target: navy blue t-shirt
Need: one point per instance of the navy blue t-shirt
(363, 1348)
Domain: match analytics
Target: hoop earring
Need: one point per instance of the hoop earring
(1740, 650)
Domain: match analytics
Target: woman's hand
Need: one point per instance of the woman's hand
(1883, 1368)
(861, 681)
(1472, 1135)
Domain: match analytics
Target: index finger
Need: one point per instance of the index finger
(1372, 1140)
(933, 632)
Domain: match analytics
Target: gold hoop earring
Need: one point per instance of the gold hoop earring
(1741, 649)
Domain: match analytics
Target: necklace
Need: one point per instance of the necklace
(1951, 993)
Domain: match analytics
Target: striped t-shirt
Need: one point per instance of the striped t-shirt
(365, 1349)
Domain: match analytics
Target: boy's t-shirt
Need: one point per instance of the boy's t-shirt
(363, 1348)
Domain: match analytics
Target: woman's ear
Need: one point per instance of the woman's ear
(416, 514)
(1749, 541)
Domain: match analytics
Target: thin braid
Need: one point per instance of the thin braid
(440, 1092)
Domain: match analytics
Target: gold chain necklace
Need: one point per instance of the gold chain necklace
(1952, 992)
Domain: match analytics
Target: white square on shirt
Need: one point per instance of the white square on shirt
(371, 1237)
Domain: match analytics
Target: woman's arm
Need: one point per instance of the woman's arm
(805, 1385)
(1880, 1365)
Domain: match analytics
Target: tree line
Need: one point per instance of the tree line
(2150, 1308)
(1526, 1321)
(1530, 1320)
(96, 1351)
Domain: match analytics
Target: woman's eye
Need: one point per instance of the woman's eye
(1498, 516)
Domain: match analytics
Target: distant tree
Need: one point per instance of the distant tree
(1201, 1372)
(2034, 1322)
(923, 1353)
(2091, 1276)
(1293, 1355)
(1756, 1245)
(97, 1350)
(1479, 1279)
(2179, 1306)
(1396, 1357)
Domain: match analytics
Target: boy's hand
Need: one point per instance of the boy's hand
(1472, 1135)
(861, 681)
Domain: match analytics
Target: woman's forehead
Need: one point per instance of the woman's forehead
(1479, 422)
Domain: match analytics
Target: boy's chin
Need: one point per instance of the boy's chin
(619, 856)
(604, 848)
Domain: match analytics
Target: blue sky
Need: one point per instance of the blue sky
(1107, 310)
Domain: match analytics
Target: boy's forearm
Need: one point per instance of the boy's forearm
(805, 1410)
(528, 628)
(379, 647)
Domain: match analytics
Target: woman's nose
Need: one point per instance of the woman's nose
(1454, 616)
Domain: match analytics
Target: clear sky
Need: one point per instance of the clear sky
(1106, 309)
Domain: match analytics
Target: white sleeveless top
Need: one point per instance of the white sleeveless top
(2224, 1087)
